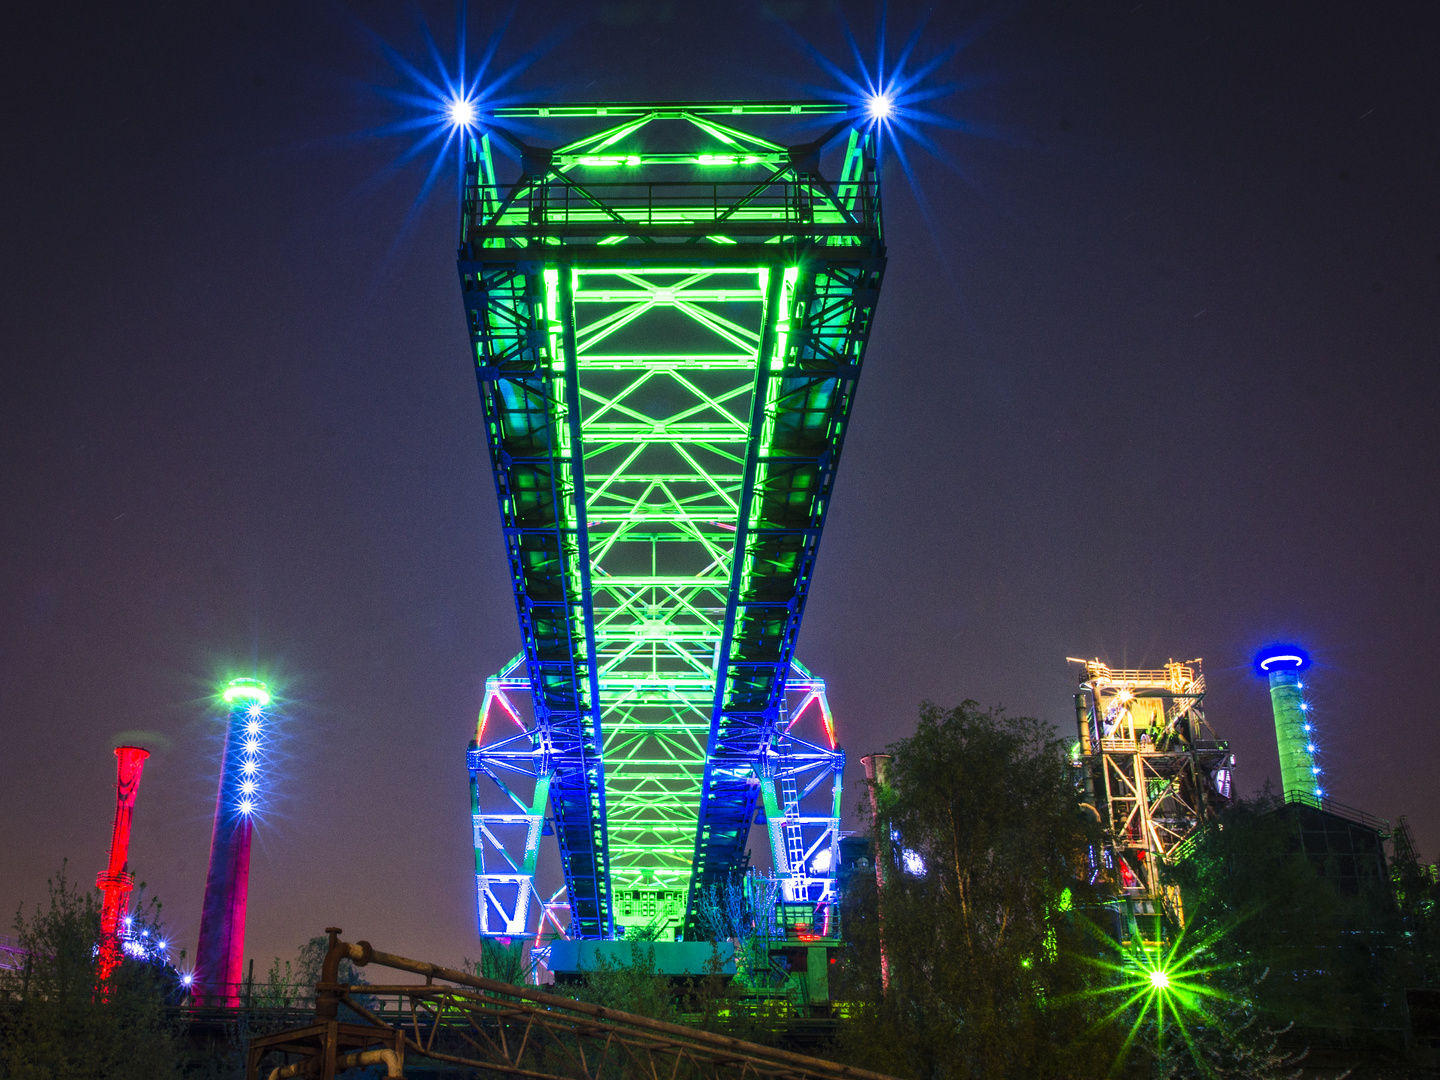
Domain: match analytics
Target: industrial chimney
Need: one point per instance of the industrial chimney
(220, 953)
(116, 881)
(1294, 730)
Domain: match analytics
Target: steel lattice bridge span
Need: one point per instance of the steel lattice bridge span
(668, 314)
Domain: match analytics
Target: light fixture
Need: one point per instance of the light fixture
(461, 112)
(880, 106)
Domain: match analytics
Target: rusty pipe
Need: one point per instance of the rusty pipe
(362, 953)
(327, 1002)
(354, 1060)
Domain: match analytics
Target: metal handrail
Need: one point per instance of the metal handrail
(1349, 813)
(786, 201)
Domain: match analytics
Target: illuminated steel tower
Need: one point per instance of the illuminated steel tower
(220, 952)
(668, 315)
(1281, 665)
(116, 881)
(1153, 772)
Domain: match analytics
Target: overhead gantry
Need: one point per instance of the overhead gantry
(669, 317)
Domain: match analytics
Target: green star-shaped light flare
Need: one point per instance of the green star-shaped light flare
(1165, 986)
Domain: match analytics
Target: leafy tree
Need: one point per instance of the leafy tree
(310, 960)
(1227, 1040)
(502, 962)
(987, 853)
(1334, 957)
(1189, 1017)
(741, 911)
(281, 988)
(1248, 1050)
(291, 984)
(1417, 890)
(55, 1021)
(636, 986)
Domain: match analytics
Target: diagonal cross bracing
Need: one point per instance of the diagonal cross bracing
(667, 360)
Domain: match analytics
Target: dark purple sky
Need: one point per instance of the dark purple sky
(1158, 378)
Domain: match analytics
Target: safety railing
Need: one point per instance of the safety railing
(743, 206)
(1339, 809)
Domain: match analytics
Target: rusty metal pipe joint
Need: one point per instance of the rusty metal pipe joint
(355, 1060)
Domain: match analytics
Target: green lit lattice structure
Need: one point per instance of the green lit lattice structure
(668, 317)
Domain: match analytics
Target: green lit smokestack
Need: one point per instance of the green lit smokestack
(1294, 730)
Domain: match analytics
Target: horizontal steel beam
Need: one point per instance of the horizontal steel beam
(672, 109)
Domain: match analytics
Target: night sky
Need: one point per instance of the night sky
(1157, 378)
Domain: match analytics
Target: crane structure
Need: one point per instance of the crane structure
(668, 318)
(1152, 771)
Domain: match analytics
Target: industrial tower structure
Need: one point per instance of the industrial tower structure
(1152, 771)
(221, 949)
(668, 314)
(116, 881)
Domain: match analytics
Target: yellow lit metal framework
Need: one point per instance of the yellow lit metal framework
(1153, 772)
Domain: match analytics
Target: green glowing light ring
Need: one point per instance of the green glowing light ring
(246, 690)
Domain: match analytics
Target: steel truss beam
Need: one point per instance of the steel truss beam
(667, 343)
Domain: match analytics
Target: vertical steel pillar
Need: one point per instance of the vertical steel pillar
(877, 776)
(116, 881)
(220, 953)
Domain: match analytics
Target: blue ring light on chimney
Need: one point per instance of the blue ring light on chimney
(1281, 656)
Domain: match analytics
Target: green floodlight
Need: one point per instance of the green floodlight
(246, 690)
(1162, 990)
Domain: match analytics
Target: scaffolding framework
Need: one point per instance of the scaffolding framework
(1153, 772)
(668, 318)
